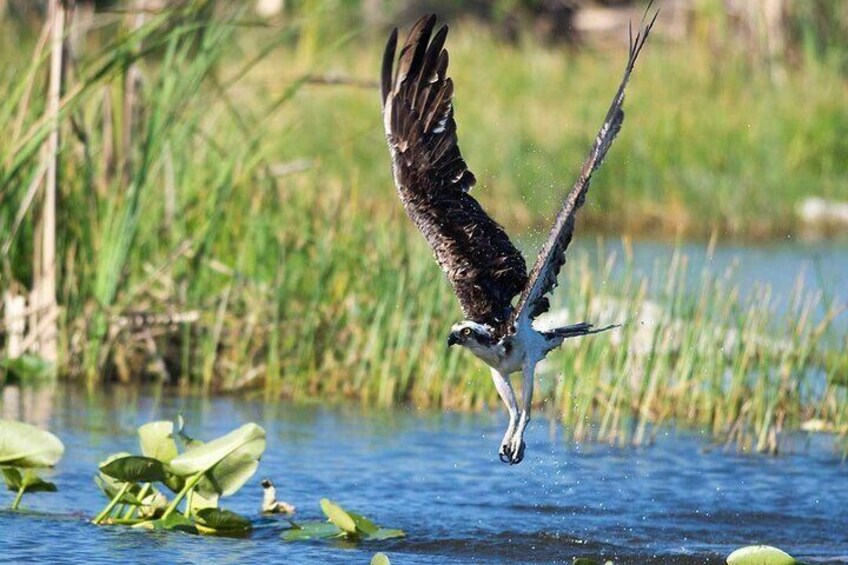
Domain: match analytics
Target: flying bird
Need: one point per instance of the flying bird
(485, 269)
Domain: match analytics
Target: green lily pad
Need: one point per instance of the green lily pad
(337, 515)
(363, 524)
(312, 531)
(380, 559)
(386, 533)
(227, 462)
(157, 440)
(760, 555)
(175, 483)
(175, 521)
(199, 501)
(584, 561)
(134, 469)
(23, 445)
(111, 486)
(189, 442)
(215, 520)
(30, 482)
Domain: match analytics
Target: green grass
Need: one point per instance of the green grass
(314, 285)
(710, 144)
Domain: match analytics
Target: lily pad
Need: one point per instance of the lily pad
(189, 442)
(157, 440)
(111, 486)
(380, 559)
(28, 480)
(386, 533)
(175, 521)
(227, 462)
(216, 520)
(760, 555)
(363, 524)
(200, 501)
(23, 445)
(134, 469)
(312, 531)
(341, 524)
(337, 515)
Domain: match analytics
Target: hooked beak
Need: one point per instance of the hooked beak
(453, 339)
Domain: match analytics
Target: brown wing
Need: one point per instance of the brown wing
(482, 264)
(543, 276)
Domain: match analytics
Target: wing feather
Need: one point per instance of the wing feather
(543, 275)
(485, 269)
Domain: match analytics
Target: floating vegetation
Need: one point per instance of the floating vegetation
(198, 476)
(340, 524)
(23, 449)
(380, 559)
(761, 555)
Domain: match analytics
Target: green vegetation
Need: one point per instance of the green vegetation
(225, 220)
(761, 555)
(340, 524)
(24, 448)
(199, 476)
(380, 559)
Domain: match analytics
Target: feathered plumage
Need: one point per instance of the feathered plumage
(486, 270)
(482, 264)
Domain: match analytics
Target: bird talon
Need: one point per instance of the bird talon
(517, 456)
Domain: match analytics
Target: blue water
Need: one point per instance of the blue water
(436, 475)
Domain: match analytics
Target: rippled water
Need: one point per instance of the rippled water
(436, 476)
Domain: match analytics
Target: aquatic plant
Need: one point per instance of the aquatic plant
(340, 524)
(199, 475)
(24, 448)
(761, 555)
(380, 559)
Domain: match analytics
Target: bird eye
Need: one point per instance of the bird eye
(466, 331)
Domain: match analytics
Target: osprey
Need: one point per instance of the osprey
(485, 269)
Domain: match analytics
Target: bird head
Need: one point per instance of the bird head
(472, 335)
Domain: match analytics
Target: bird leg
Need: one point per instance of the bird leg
(516, 447)
(508, 397)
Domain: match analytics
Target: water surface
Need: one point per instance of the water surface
(436, 475)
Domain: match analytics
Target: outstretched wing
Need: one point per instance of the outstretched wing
(543, 276)
(482, 264)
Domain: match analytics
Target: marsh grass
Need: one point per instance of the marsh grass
(226, 223)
